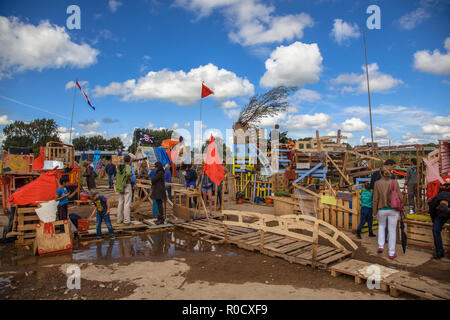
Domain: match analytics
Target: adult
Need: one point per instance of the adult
(411, 184)
(387, 217)
(143, 170)
(90, 175)
(389, 164)
(123, 187)
(439, 212)
(181, 172)
(159, 191)
(191, 181)
(111, 172)
(207, 186)
(168, 179)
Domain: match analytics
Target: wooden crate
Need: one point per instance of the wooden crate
(17, 164)
(420, 233)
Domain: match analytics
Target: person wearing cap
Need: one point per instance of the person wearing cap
(123, 187)
(159, 191)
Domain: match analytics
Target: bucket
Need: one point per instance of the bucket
(84, 196)
(83, 224)
(240, 201)
(269, 201)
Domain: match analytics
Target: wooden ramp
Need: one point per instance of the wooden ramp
(277, 236)
(392, 280)
(290, 249)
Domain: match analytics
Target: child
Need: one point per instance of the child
(366, 211)
(62, 195)
(102, 208)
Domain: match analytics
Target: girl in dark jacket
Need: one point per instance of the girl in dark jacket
(159, 191)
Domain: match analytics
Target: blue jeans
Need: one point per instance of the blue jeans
(366, 216)
(107, 219)
(169, 192)
(110, 180)
(438, 223)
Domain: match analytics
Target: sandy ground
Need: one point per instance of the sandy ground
(154, 267)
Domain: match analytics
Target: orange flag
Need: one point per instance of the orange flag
(213, 165)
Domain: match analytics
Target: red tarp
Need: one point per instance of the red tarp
(38, 163)
(41, 189)
(213, 166)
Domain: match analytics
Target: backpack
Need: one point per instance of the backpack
(396, 202)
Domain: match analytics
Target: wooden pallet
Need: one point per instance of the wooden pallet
(212, 230)
(290, 249)
(358, 270)
(26, 219)
(394, 281)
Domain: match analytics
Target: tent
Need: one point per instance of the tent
(41, 189)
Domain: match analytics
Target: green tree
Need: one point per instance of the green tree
(34, 134)
(115, 143)
(97, 143)
(81, 143)
(158, 135)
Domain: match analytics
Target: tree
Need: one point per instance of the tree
(34, 134)
(81, 143)
(267, 105)
(158, 137)
(115, 143)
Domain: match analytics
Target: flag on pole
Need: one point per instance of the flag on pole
(85, 96)
(206, 91)
(213, 165)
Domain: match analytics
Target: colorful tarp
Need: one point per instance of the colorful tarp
(162, 156)
(41, 189)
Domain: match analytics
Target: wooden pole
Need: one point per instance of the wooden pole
(368, 92)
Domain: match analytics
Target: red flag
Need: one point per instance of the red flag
(38, 163)
(213, 165)
(206, 91)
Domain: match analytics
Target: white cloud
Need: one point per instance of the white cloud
(447, 82)
(29, 47)
(412, 19)
(232, 113)
(343, 31)
(252, 22)
(4, 120)
(114, 5)
(175, 126)
(64, 134)
(381, 141)
(127, 139)
(440, 120)
(83, 84)
(308, 122)
(187, 124)
(440, 130)
(379, 82)
(296, 64)
(380, 132)
(180, 87)
(228, 104)
(353, 124)
(436, 62)
(307, 95)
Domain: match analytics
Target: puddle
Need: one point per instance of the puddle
(157, 246)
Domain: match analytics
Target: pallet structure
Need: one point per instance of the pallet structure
(294, 238)
(24, 225)
(392, 280)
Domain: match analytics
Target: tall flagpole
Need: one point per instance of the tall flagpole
(73, 107)
(201, 125)
(368, 92)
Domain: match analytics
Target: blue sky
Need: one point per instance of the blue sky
(142, 62)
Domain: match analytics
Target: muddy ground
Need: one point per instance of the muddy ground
(174, 265)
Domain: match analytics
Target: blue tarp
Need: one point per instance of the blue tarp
(162, 156)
